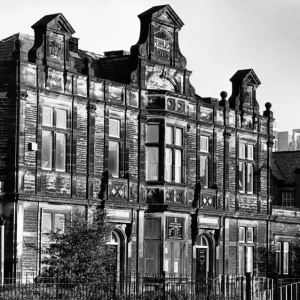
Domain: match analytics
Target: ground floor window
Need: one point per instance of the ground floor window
(282, 257)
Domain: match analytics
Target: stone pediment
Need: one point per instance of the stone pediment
(162, 14)
(246, 76)
(56, 22)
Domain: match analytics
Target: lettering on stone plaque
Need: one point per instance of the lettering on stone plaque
(175, 228)
(162, 44)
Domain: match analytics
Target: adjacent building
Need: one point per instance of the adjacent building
(186, 179)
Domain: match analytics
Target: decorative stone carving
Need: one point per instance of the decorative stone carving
(54, 49)
(183, 61)
(118, 190)
(153, 101)
(206, 113)
(152, 195)
(170, 195)
(180, 106)
(180, 196)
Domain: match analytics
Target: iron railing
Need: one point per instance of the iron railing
(223, 287)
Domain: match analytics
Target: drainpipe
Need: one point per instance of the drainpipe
(2, 223)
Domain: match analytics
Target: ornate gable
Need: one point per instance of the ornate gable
(158, 40)
(244, 85)
(51, 42)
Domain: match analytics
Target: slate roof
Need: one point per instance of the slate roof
(284, 165)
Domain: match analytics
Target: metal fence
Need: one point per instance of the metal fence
(223, 287)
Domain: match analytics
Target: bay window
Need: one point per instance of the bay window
(54, 138)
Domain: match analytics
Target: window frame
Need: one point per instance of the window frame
(292, 198)
(117, 139)
(55, 131)
(205, 161)
(282, 256)
(53, 214)
(152, 144)
(244, 245)
(246, 167)
(174, 148)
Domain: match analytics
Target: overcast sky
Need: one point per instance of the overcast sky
(219, 37)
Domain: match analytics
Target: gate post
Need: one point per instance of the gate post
(248, 286)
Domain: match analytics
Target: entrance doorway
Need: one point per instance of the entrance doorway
(117, 242)
(202, 263)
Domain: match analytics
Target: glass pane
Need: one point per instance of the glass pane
(241, 260)
(152, 257)
(152, 159)
(250, 152)
(285, 263)
(242, 150)
(114, 128)
(168, 165)
(286, 246)
(60, 154)
(250, 235)
(47, 116)
(47, 149)
(250, 259)
(169, 135)
(204, 170)
(242, 234)
(278, 246)
(152, 134)
(278, 262)
(204, 143)
(113, 158)
(178, 137)
(46, 222)
(152, 228)
(61, 118)
(250, 178)
(59, 222)
(242, 177)
(178, 162)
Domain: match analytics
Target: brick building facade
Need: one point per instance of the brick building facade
(187, 178)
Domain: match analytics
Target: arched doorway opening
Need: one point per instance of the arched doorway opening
(117, 242)
(203, 257)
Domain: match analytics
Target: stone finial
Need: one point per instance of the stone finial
(268, 105)
(268, 113)
(224, 102)
(223, 95)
